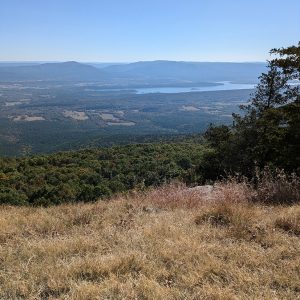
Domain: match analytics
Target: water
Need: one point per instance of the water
(220, 86)
(224, 86)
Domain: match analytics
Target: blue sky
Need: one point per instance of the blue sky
(134, 30)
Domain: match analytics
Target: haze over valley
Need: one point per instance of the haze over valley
(48, 107)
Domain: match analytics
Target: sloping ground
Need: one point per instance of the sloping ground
(168, 243)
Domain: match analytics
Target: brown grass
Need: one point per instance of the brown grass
(168, 243)
(277, 187)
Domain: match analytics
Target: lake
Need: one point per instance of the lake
(219, 86)
(223, 86)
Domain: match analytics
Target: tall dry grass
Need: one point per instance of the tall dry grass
(167, 243)
(277, 187)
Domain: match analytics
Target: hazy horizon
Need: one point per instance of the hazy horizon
(122, 62)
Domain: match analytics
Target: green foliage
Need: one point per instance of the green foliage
(12, 196)
(88, 175)
(268, 131)
(289, 60)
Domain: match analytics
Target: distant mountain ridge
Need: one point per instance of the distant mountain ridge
(70, 70)
(146, 70)
(199, 71)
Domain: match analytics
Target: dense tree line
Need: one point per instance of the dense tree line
(267, 133)
(88, 175)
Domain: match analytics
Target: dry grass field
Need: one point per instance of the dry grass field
(167, 243)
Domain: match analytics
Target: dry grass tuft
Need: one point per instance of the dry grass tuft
(277, 187)
(232, 209)
(289, 221)
(167, 243)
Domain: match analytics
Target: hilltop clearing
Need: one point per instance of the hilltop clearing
(167, 243)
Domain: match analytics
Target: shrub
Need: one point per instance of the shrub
(216, 217)
(10, 196)
(289, 223)
(277, 187)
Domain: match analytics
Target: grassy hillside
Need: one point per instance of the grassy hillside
(168, 243)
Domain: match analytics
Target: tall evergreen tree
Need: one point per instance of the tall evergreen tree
(267, 132)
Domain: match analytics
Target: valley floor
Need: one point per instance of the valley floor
(167, 243)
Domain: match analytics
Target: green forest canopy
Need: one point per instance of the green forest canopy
(88, 175)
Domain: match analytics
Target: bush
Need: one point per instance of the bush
(277, 187)
(9, 196)
(289, 222)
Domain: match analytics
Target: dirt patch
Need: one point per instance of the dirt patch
(108, 117)
(27, 118)
(76, 115)
(189, 108)
(121, 123)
